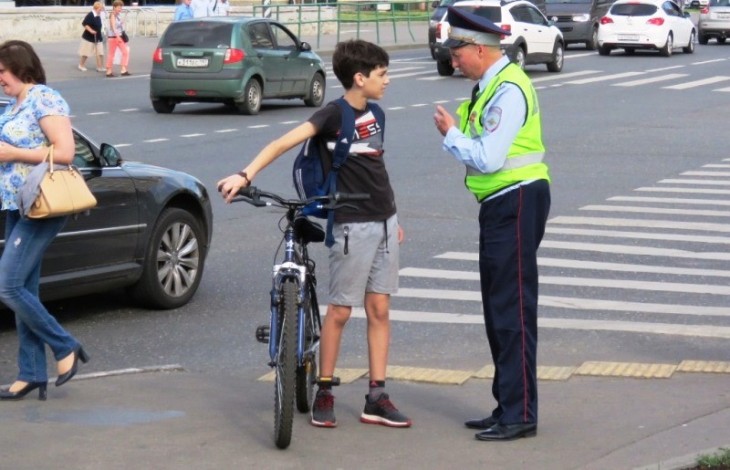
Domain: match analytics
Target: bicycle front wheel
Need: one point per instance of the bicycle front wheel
(307, 370)
(286, 365)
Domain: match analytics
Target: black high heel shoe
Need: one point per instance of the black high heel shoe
(29, 387)
(78, 353)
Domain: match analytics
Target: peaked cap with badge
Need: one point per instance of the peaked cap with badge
(469, 28)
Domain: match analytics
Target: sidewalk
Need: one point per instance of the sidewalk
(180, 420)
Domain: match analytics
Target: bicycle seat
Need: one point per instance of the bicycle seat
(308, 231)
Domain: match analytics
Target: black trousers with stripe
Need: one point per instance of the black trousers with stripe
(511, 228)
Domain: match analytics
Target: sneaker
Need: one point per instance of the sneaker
(323, 410)
(82, 68)
(382, 411)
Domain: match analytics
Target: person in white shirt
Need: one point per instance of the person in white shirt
(201, 8)
(220, 8)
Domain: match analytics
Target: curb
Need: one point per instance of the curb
(681, 463)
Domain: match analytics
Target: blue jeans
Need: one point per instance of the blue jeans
(26, 240)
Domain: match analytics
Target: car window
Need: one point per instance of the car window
(260, 36)
(520, 14)
(204, 34)
(494, 14)
(671, 9)
(633, 9)
(536, 17)
(720, 3)
(283, 38)
(83, 155)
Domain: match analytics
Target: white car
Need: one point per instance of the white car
(534, 39)
(646, 24)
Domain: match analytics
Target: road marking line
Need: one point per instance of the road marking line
(705, 331)
(691, 181)
(191, 135)
(626, 369)
(712, 61)
(412, 74)
(706, 173)
(645, 81)
(646, 223)
(685, 190)
(153, 141)
(605, 77)
(696, 83)
(563, 76)
(639, 235)
(662, 69)
(671, 200)
(655, 210)
(634, 250)
(223, 131)
(98, 113)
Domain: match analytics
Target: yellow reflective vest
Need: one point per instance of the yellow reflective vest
(525, 155)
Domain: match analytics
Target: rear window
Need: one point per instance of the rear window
(494, 14)
(720, 3)
(633, 9)
(203, 34)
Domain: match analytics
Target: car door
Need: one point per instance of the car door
(298, 67)
(680, 26)
(105, 239)
(273, 61)
(523, 25)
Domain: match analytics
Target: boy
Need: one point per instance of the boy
(363, 261)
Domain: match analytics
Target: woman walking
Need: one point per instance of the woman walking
(91, 38)
(115, 38)
(35, 118)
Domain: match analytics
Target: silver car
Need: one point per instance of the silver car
(714, 22)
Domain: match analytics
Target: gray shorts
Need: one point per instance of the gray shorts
(371, 262)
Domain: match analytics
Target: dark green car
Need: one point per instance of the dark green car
(233, 60)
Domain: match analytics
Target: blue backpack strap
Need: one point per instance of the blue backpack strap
(342, 150)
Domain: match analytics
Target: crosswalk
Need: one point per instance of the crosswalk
(649, 262)
(678, 77)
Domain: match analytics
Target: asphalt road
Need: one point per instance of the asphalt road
(659, 297)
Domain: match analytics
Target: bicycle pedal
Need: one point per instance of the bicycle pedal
(262, 334)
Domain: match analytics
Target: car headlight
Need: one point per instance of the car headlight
(582, 18)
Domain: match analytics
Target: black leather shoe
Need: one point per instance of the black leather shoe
(507, 432)
(6, 394)
(78, 353)
(485, 423)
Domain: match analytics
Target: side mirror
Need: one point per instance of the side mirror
(110, 156)
(687, 14)
(305, 46)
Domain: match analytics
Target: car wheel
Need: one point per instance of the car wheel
(316, 92)
(691, 45)
(163, 106)
(518, 57)
(721, 40)
(251, 103)
(433, 53)
(444, 68)
(592, 45)
(666, 51)
(558, 58)
(173, 263)
(604, 50)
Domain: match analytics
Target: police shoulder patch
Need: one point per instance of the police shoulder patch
(494, 116)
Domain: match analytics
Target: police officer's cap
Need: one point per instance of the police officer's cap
(470, 28)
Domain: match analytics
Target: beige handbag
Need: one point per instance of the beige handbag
(61, 192)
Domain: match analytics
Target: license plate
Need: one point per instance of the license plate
(723, 16)
(629, 37)
(192, 62)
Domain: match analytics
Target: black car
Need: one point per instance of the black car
(149, 232)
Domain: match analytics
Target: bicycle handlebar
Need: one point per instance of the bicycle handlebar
(253, 195)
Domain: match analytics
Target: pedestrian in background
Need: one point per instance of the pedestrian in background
(201, 8)
(499, 139)
(183, 11)
(92, 37)
(35, 118)
(220, 8)
(116, 41)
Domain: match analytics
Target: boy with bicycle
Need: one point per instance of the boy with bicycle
(363, 261)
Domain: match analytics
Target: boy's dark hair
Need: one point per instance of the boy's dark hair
(357, 56)
(20, 59)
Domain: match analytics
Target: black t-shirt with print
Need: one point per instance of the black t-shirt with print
(364, 170)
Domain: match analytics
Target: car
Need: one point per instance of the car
(714, 22)
(439, 10)
(578, 19)
(698, 3)
(646, 24)
(534, 40)
(235, 60)
(150, 232)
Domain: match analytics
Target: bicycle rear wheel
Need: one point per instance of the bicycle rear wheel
(307, 371)
(286, 363)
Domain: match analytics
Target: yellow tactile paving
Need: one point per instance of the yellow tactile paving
(421, 374)
(554, 372)
(626, 369)
(716, 367)
(346, 375)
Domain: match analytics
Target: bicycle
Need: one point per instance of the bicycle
(294, 324)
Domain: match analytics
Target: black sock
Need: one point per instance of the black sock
(325, 383)
(377, 388)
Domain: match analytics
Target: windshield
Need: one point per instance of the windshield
(209, 35)
(633, 9)
(553, 2)
(493, 14)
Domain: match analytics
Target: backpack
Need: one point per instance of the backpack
(312, 178)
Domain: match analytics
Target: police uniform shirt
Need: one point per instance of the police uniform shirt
(501, 120)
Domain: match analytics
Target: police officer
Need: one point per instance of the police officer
(499, 140)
